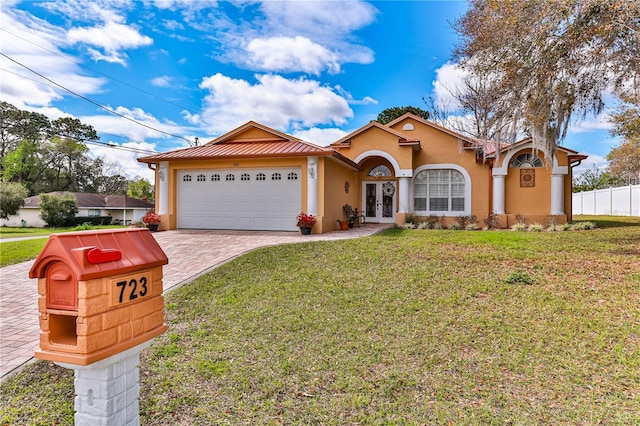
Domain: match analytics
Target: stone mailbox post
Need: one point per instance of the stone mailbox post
(100, 300)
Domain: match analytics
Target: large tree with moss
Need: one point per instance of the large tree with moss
(555, 60)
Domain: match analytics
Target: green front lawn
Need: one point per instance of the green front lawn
(406, 327)
(20, 232)
(12, 252)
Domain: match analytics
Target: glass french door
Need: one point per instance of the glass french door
(379, 201)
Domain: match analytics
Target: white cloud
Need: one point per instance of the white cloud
(591, 123)
(34, 43)
(274, 101)
(162, 81)
(112, 37)
(126, 160)
(290, 54)
(314, 31)
(592, 161)
(448, 77)
(120, 126)
(318, 136)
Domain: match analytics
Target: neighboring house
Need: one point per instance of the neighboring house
(122, 209)
(257, 178)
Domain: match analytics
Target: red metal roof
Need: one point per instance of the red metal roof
(234, 149)
(271, 143)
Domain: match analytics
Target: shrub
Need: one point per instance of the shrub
(58, 211)
(435, 222)
(492, 221)
(463, 221)
(423, 225)
(407, 226)
(12, 195)
(472, 227)
(583, 226)
(536, 227)
(559, 227)
(455, 226)
(519, 227)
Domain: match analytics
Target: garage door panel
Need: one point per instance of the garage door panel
(251, 204)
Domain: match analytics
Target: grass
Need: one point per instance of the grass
(407, 327)
(19, 232)
(12, 252)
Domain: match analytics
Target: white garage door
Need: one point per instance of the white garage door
(252, 199)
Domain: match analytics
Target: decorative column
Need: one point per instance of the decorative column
(312, 185)
(163, 188)
(557, 194)
(108, 391)
(498, 193)
(403, 195)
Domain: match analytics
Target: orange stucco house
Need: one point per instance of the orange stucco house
(257, 178)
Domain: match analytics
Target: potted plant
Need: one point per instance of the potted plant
(151, 219)
(305, 222)
(344, 225)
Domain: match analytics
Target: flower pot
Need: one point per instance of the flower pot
(152, 227)
(305, 230)
(344, 225)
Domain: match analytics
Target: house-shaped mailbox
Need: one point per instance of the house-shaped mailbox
(100, 293)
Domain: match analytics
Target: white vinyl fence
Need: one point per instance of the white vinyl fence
(620, 201)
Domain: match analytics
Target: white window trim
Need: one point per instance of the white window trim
(467, 190)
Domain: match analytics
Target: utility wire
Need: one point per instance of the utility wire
(96, 71)
(94, 102)
(97, 130)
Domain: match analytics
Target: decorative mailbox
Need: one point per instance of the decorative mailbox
(100, 293)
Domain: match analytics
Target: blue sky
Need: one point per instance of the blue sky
(187, 69)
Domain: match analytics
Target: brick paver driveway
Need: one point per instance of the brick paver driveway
(191, 253)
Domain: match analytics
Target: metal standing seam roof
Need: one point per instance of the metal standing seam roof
(244, 148)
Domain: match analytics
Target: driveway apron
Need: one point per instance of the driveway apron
(191, 253)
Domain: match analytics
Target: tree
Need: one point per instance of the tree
(17, 126)
(47, 156)
(12, 197)
(595, 179)
(624, 161)
(391, 114)
(626, 117)
(58, 210)
(140, 188)
(480, 111)
(556, 60)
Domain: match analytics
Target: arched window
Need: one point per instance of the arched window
(380, 171)
(276, 176)
(261, 176)
(245, 177)
(201, 178)
(186, 178)
(230, 177)
(215, 178)
(528, 160)
(292, 176)
(439, 191)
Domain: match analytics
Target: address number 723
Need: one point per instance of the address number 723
(129, 289)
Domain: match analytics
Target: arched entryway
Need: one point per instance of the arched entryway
(379, 190)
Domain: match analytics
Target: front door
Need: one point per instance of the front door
(379, 201)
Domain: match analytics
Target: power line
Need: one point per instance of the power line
(94, 70)
(96, 103)
(97, 130)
